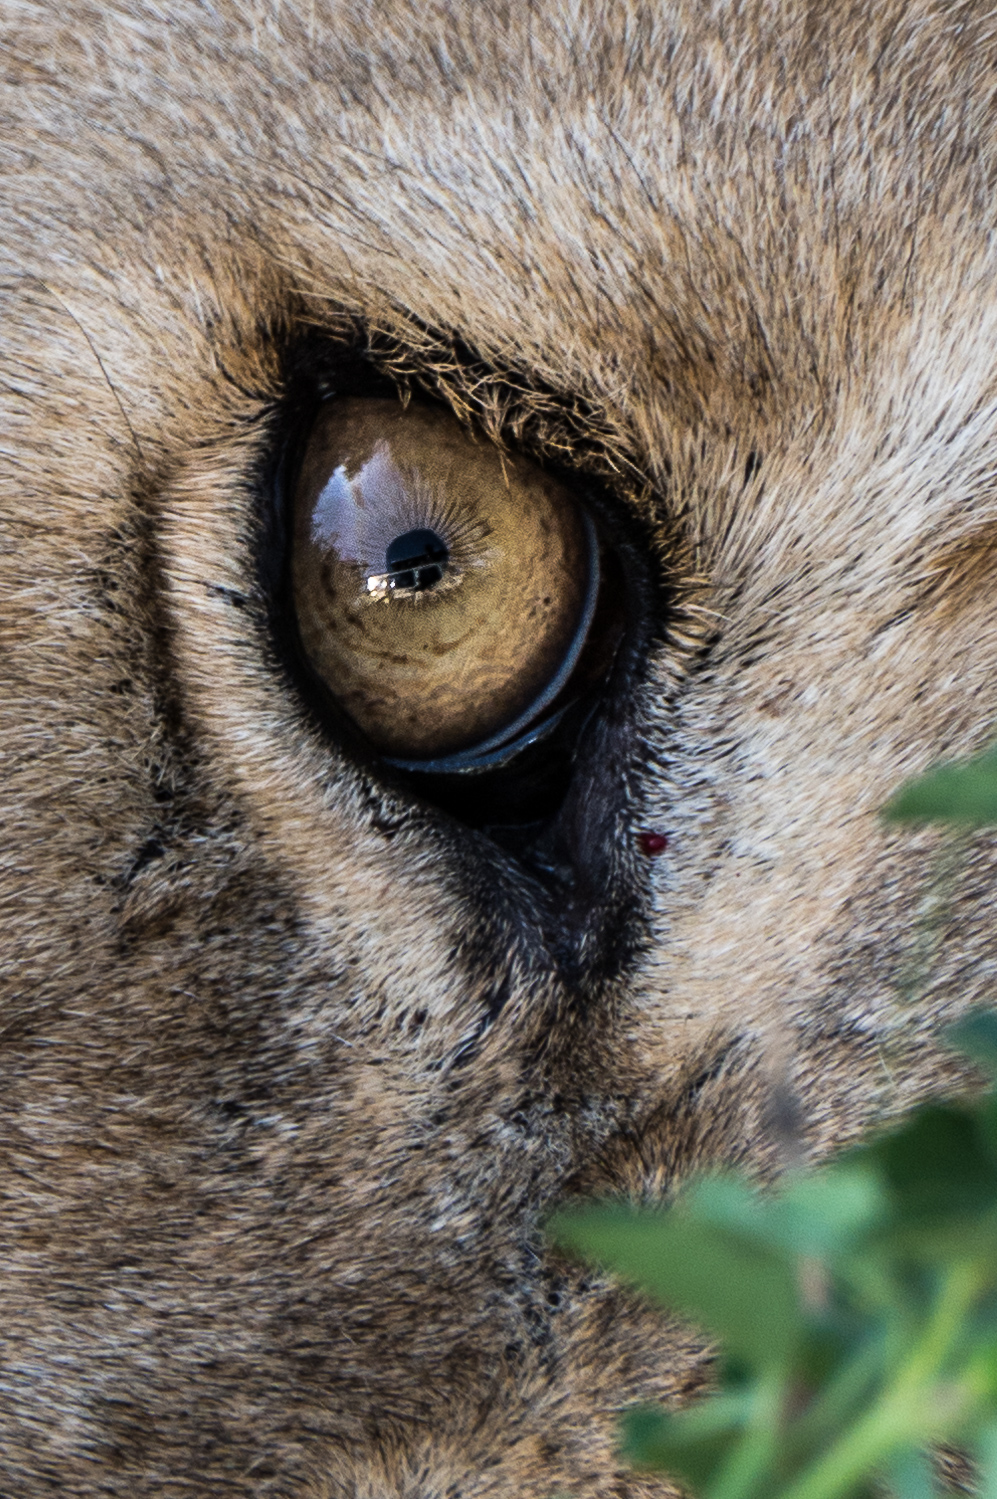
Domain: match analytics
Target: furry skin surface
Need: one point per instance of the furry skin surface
(292, 1064)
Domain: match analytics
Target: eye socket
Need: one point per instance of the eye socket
(445, 592)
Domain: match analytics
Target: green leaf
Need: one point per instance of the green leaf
(740, 1293)
(961, 793)
(855, 1310)
(677, 1443)
(980, 1369)
(985, 1448)
(910, 1476)
(816, 1215)
(976, 1035)
(937, 1165)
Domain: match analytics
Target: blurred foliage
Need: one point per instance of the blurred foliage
(962, 794)
(854, 1308)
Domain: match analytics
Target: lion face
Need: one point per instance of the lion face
(494, 501)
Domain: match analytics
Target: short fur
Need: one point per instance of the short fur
(292, 1065)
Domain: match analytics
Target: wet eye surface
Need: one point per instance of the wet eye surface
(455, 602)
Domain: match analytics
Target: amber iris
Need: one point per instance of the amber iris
(439, 584)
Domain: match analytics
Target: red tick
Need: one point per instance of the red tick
(652, 844)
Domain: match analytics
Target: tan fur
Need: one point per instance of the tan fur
(291, 1065)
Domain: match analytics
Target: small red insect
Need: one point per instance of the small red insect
(652, 844)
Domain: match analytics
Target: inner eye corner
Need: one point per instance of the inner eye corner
(380, 497)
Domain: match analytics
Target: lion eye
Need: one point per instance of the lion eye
(444, 592)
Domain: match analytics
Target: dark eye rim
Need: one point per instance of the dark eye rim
(492, 791)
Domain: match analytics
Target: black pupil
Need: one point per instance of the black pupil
(416, 560)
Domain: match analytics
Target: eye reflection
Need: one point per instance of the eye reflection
(416, 560)
(444, 590)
